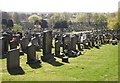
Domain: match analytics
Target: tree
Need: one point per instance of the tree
(18, 27)
(33, 18)
(60, 20)
(113, 22)
(81, 17)
(99, 17)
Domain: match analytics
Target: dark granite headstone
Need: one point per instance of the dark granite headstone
(73, 45)
(57, 49)
(6, 42)
(17, 38)
(2, 48)
(47, 46)
(13, 60)
(65, 59)
(24, 43)
(66, 42)
(40, 41)
(35, 43)
(13, 44)
(31, 54)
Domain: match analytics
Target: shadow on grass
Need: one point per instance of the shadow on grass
(16, 71)
(55, 63)
(35, 66)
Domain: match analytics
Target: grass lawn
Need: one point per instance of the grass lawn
(95, 65)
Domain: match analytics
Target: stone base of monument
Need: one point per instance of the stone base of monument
(80, 47)
(65, 59)
(16, 71)
(97, 46)
(33, 62)
(45, 58)
(60, 55)
(86, 47)
(114, 42)
(70, 53)
(77, 52)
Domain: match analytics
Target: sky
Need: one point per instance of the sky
(59, 5)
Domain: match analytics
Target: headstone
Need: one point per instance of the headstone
(65, 59)
(31, 54)
(66, 42)
(73, 45)
(2, 48)
(13, 60)
(47, 46)
(57, 50)
(21, 34)
(6, 41)
(67, 46)
(17, 38)
(13, 44)
(24, 43)
(35, 43)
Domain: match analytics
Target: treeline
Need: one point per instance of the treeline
(54, 18)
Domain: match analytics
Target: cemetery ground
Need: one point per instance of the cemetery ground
(95, 65)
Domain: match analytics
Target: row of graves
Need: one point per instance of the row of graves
(30, 43)
(66, 46)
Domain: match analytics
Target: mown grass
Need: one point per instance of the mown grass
(95, 65)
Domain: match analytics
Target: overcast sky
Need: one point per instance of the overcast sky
(59, 5)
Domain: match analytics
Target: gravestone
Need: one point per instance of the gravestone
(47, 46)
(17, 38)
(101, 38)
(13, 60)
(35, 43)
(2, 48)
(67, 46)
(57, 49)
(65, 59)
(6, 42)
(93, 41)
(66, 42)
(89, 40)
(73, 45)
(79, 43)
(97, 41)
(21, 34)
(59, 38)
(13, 44)
(28, 35)
(24, 43)
(31, 54)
